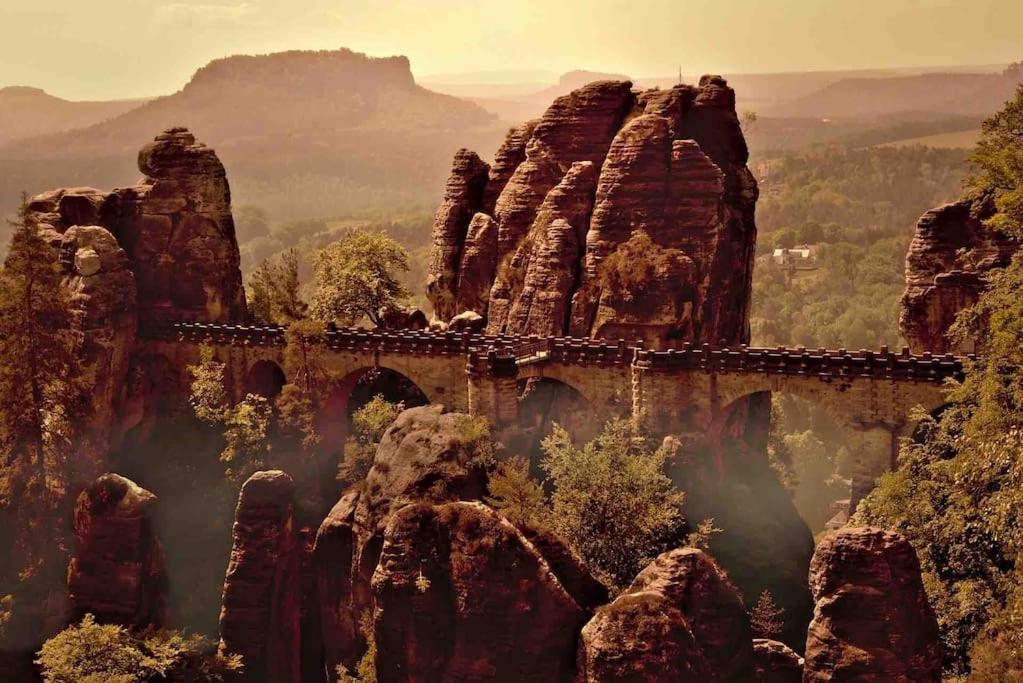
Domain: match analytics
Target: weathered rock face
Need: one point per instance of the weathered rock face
(421, 458)
(872, 620)
(175, 226)
(946, 268)
(261, 610)
(178, 231)
(681, 619)
(463, 197)
(104, 307)
(604, 175)
(396, 317)
(164, 249)
(462, 595)
(117, 571)
(775, 662)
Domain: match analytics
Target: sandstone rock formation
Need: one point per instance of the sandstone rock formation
(775, 662)
(163, 249)
(421, 458)
(872, 621)
(175, 226)
(261, 609)
(117, 571)
(396, 317)
(681, 619)
(462, 595)
(104, 309)
(946, 267)
(605, 174)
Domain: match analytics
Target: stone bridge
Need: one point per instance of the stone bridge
(686, 390)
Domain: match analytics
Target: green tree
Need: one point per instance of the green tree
(93, 653)
(516, 495)
(958, 491)
(611, 500)
(273, 290)
(358, 275)
(998, 161)
(41, 396)
(246, 426)
(767, 618)
(369, 424)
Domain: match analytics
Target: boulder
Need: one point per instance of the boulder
(421, 458)
(396, 317)
(261, 610)
(462, 595)
(467, 321)
(681, 619)
(775, 662)
(117, 571)
(871, 621)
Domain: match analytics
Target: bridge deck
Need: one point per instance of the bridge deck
(824, 363)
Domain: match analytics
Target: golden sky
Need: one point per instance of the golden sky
(98, 49)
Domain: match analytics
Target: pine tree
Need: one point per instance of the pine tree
(515, 494)
(767, 618)
(41, 395)
(273, 291)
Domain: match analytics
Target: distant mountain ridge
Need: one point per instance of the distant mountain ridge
(27, 112)
(302, 133)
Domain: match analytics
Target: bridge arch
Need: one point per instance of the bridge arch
(355, 389)
(265, 378)
(608, 392)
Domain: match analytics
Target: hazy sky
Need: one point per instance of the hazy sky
(84, 49)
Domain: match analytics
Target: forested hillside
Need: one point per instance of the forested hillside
(859, 207)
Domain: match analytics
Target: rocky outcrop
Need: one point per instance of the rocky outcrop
(163, 249)
(117, 571)
(607, 174)
(394, 317)
(261, 610)
(103, 303)
(463, 197)
(462, 595)
(775, 662)
(175, 225)
(681, 619)
(946, 270)
(872, 620)
(421, 459)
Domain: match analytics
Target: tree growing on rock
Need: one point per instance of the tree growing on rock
(612, 501)
(368, 424)
(766, 618)
(956, 494)
(357, 276)
(516, 495)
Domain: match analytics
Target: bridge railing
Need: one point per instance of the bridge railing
(523, 350)
(823, 363)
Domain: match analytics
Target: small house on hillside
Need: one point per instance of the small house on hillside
(800, 257)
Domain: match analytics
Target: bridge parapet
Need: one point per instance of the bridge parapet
(823, 363)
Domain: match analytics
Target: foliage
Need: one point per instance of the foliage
(366, 671)
(767, 618)
(42, 391)
(477, 439)
(358, 275)
(998, 164)
(369, 424)
(273, 290)
(958, 491)
(246, 426)
(702, 535)
(516, 495)
(92, 653)
(611, 500)
(858, 206)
